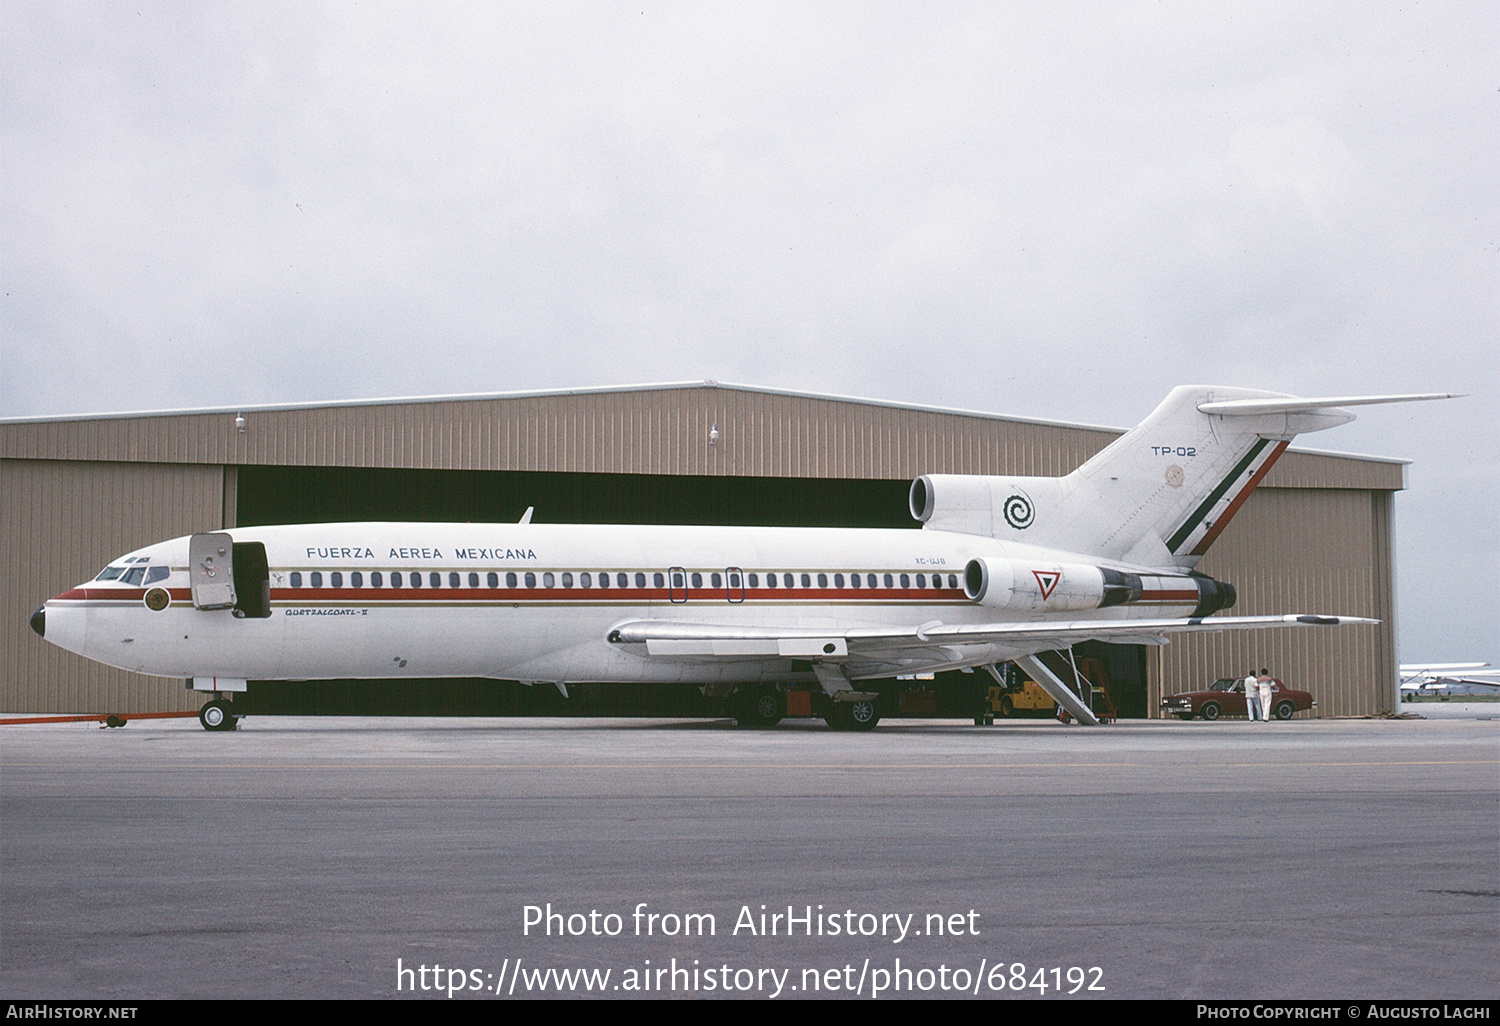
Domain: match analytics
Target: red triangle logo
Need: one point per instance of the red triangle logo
(1047, 581)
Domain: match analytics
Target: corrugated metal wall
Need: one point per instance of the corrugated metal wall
(1300, 551)
(60, 522)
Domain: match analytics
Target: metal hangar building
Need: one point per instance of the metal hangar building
(76, 492)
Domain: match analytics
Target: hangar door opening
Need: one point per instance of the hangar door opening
(310, 495)
(298, 495)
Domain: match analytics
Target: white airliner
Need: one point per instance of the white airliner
(1004, 569)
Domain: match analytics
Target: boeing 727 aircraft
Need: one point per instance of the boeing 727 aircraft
(1005, 568)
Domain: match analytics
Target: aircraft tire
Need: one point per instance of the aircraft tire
(1210, 711)
(1007, 707)
(1285, 710)
(216, 716)
(760, 708)
(859, 716)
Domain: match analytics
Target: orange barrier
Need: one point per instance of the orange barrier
(107, 719)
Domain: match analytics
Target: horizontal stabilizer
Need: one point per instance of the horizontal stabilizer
(1250, 407)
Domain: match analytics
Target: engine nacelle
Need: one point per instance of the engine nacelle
(997, 507)
(1062, 587)
(1074, 587)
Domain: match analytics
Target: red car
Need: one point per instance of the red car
(1226, 697)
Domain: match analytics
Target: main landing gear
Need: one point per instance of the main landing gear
(218, 715)
(860, 715)
(759, 707)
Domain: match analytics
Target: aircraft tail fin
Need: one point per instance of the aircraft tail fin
(1160, 494)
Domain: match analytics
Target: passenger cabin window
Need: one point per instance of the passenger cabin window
(315, 579)
(585, 580)
(889, 581)
(453, 580)
(921, 580)
(755, 580)
(415, 579)
(356, 579)
(295, 579)
(548, 580)
(905, 581)
(658, 579)
(335, 579)
(697, 580)
(435, 579)
(473, 580)
(807, 580)
(510, 579)
(530, 579)
(376, 579)
(854, 580)
(567, 580)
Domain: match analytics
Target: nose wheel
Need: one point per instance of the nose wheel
(218, 715)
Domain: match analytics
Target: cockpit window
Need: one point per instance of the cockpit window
(109, 573)
(158, 573)
(133, 576)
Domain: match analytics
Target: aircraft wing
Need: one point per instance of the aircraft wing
(713, 641)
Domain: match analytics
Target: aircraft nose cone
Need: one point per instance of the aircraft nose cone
(39, 621)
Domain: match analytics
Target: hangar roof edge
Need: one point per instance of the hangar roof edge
(541, 393)
(612, 389)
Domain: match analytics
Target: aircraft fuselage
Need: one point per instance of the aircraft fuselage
(538, 602)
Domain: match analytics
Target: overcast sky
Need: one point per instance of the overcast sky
(1047, 210)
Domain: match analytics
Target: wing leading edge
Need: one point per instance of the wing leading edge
(716, 641)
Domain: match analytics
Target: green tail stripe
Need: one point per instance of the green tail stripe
(1191, 524)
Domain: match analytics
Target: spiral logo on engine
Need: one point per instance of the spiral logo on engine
(1018, 512)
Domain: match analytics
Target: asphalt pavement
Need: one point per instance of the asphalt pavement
(327, 857)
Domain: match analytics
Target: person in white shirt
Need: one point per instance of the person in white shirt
(1265, 684)
(1253, 708)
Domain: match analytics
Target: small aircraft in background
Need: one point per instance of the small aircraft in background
(1448, 680)
(1006, 568)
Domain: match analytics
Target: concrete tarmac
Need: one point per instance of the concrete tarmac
(325, 857)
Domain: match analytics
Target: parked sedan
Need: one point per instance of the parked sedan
(1226, 697)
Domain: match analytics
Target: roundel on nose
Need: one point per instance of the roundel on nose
(39, 621)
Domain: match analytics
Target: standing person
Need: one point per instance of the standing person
(1253, 708)
(1265, 684)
